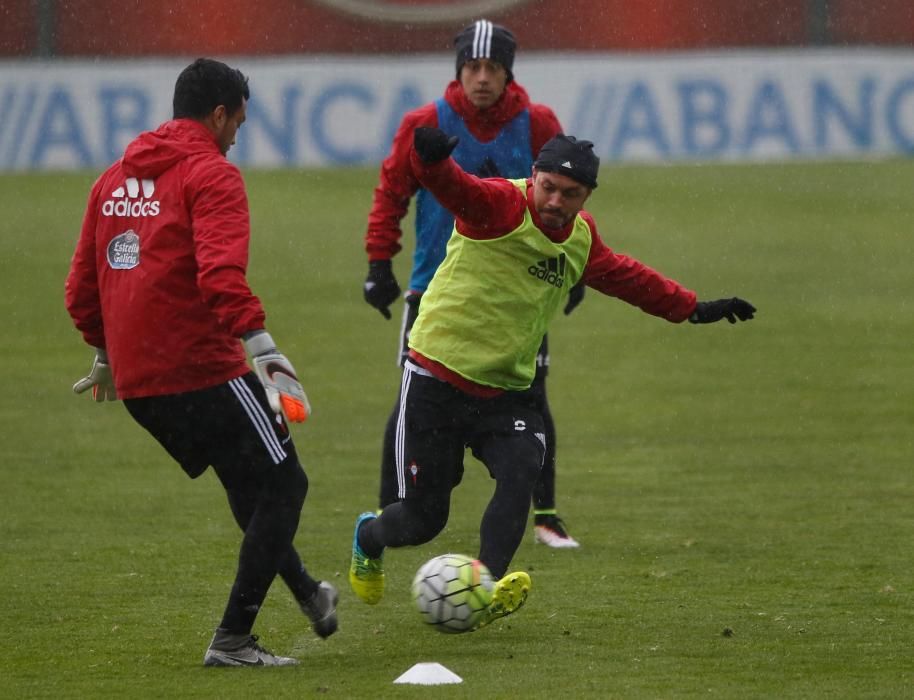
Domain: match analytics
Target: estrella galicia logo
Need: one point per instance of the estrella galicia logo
(551, 270)
(124, 251)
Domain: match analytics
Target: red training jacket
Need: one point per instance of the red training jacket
(158, 276)
(398, 182)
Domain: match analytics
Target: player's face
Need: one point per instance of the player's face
(227, 125)
(483, 81)
(557, 198)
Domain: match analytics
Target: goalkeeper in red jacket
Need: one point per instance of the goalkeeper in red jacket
(158, 287)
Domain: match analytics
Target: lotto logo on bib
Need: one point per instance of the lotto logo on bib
(124, 251)
(126, 201)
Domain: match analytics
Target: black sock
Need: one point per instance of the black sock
(367, 540)
(295, 576)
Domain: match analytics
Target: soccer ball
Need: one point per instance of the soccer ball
(452, 592)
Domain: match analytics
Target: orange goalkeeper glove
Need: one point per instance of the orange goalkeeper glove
(99, 379)
(284, 391)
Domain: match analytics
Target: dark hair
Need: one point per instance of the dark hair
(204, 85)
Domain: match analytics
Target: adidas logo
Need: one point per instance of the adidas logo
(124, 200)
(551, 270)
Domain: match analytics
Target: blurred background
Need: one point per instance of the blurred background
(113, 28)
(708, 80)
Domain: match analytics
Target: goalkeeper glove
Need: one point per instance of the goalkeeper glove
(381, 288)
(284, 392)
(730, 309)
(433, 145)
(99, 379)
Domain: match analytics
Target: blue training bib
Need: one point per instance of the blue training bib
(508, 155)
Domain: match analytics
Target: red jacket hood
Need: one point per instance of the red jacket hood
(153, 152)
(511, 103)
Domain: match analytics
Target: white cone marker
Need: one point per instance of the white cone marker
(429, 673)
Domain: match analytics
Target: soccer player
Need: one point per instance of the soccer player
(501, 131)
(517, 247)
(158, 287)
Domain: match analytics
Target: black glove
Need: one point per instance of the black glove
(381, 288)
(433, 145)
(730, 309)
(575, 297)
(488, 169)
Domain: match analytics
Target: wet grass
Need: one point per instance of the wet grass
(743, 494)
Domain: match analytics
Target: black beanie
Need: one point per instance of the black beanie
(482, 39)
(569, 156)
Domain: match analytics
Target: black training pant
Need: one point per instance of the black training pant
(231, 428)
(543, 492)
(435, 423)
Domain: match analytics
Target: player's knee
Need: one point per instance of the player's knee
(528, 472)
(289, 485)
(521, 464)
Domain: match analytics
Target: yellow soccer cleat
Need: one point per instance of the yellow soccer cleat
(508, 595)
(366, 575)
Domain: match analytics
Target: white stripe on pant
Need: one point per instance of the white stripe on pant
(259, 419)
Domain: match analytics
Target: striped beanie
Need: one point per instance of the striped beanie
(482, 39)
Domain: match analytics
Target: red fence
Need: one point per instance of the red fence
(243, 27)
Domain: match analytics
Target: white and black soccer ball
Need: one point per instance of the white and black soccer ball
(452, 592)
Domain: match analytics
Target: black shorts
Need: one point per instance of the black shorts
(229, 426)
(437, 421)
(411, 313)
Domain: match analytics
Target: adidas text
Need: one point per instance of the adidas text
(551, 270)
(125, 207)
(549, 276)
(124, 202)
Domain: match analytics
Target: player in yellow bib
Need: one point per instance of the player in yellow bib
(494, 344)
(518, 246)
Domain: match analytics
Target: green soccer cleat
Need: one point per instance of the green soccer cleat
(508, 595)
(366, 575)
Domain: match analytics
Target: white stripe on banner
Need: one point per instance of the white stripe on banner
(259, 419)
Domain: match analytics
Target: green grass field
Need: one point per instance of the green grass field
(743, 494)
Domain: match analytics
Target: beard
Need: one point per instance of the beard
(553, 218)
